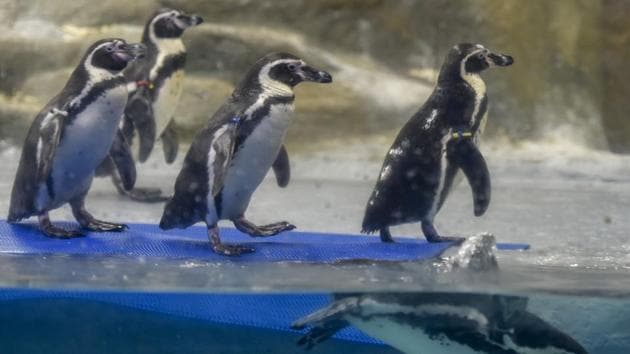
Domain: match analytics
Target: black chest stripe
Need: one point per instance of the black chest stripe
(249, 125)
(171, 64)
(93, 94)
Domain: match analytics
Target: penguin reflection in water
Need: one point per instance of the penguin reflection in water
(71, 136)
(440, 323)
(155, 86)
(438, 141)
(230, 157)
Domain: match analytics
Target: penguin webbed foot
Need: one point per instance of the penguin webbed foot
(453, 239)
(104, 226)
(89, 222)
(432, 236)
(248, 227)
(231, 250)
(49, 230)
(145, 195)
(385, 235)
(320, 333)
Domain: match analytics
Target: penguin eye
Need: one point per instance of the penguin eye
(292, 67)
(481, 55)
(109, 48)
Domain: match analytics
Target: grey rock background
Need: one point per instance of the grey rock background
(569, 83)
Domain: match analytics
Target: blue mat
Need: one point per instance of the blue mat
(274, 312)
(150, 241)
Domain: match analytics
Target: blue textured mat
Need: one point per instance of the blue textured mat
(274, 312)
(150, 241)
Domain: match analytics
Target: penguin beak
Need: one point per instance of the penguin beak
(184, 21)
(129, 52)
(499, 59)
(308, 73)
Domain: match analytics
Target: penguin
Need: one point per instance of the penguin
(440, 323)
(71, 136)
(155, 87)
(229, 158)
(434, 145)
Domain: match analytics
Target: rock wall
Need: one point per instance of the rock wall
(569, 81)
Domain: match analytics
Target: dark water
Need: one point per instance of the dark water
(151, 305)
(60, 324)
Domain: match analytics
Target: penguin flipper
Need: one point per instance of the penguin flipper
(208, 157)
(49, 135)
(282, 168)
(467, 156)
(140, 112)
(334, 311)
(128, 129)
(122, 158)
(326, 322)
(170, 142)
(223, 143)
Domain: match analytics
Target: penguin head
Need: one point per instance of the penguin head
(468, 58)
(112, 54)
(281, 72)
(170, 23)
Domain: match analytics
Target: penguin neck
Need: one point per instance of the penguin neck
(273, 88)
(163, 48)
(168, 46)
(162, 45)
(84, 77)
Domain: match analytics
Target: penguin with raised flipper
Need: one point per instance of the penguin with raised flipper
(438, 141)
(155, 84)
(440, 323)
(74, 133)
(229, 158)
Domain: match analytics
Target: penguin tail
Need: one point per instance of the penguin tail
(12, 218)
(368, 226)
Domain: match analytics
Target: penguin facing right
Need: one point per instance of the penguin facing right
(155, 87)
(449, 323)
(74, 133)
(230, 157)
(436, 143)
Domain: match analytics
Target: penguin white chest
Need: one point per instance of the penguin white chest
(478, 86)
(85, 142)
(165, 103)
(253, 160)
(407, 338)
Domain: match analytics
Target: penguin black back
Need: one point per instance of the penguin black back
(437, 142)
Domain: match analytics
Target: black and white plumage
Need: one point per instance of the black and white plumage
(453, 323)
(436, 143)
(71, 136)
(155, 87)
(229, 158)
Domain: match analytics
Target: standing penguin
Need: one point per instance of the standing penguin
(156, 84)
(71, 136)
(229, 158)
(440, 323)
(438, 141)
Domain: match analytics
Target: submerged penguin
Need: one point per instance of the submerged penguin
(440, 323)
(438, 141)
(74, 133)
(156, 84)
(229, 158)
